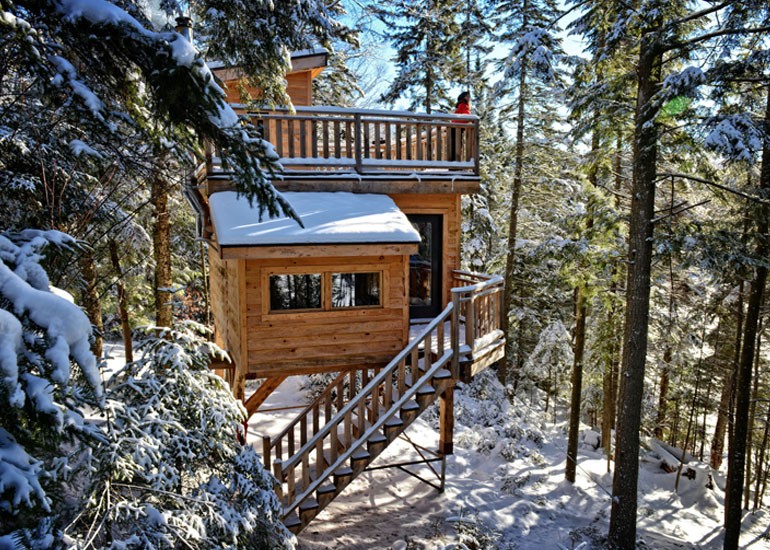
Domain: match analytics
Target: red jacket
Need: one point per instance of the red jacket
(463, 109)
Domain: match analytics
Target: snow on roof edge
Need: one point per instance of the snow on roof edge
(330, 218)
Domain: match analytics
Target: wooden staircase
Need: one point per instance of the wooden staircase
(361, 412)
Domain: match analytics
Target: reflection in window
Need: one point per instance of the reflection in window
(355, 289)
(295, 292)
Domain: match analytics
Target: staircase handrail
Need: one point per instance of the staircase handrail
(305, 412)
(294, 460)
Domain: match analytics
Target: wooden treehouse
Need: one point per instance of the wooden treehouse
(370, 288)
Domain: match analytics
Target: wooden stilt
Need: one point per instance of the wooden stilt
(447, 422)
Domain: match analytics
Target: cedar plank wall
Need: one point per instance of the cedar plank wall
(447, 204)
(306, 342)
(225, 289)
(299, 88)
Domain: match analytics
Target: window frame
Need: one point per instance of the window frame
(326, 273)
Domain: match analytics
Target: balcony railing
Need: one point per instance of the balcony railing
(338, 140)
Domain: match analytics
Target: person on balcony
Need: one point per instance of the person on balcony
(463, 107)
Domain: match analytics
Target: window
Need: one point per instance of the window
(355, 289)
(295, 292)
(324, 291)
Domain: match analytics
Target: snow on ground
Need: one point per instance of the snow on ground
(505, 487)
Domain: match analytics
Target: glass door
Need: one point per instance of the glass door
(425, 267)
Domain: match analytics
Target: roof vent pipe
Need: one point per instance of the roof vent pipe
(184, 27)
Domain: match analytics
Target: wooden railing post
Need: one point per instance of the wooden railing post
(266, 451)
(470, 321)
(455, 334)
(359, 145)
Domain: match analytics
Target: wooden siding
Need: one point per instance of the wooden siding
(227, 289)
(285, 343)
(447, 205)
(299, 87)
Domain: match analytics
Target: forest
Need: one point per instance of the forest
(625, 200)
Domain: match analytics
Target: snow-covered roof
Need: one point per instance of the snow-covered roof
(329, 218)
(296, 55)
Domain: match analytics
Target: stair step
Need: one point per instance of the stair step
(292, 521)
(426, 389)
(343, 471)
(308, 504)
(377, 437)
(326, 489)
(442, 374)
(394, 422)
(361, 454)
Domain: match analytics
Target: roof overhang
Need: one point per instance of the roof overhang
(314, 60)
(335, 224)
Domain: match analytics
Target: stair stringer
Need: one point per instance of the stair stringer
(360, 431)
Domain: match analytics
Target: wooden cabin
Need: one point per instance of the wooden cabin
(370, 286)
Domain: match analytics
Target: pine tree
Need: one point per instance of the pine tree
(428, 53)
(532, 63)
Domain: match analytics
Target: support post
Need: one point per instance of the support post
(455, 335)
(447, 421)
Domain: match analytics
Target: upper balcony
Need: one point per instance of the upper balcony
(365, 151)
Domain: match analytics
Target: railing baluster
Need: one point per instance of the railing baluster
(325, 137)
(361, 419)
(319, 458)
(408, 131)
(399, 148)
(305, 470)
(303, 431)
(440, 339)
(290, 436)
(348, 428)
(266, 451)
(388, 397)
(402, 377)
(367, 142)
(440, 143)
(337, 139)
(375, 404)
(388, 144)
(290, 482)
(470, 323)
(278, 473)
(314, 137)
(359, 162)
(290, 132)
(418, 141)
(377, 144)
(335, 443)
(303, 137)
(280, 149)
(349, 152)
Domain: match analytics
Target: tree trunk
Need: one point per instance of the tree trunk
(90, 297)
(663, 393)
(761, 459)
(125, 325)
(161, 246)
(737, 454)
(725, 403)
(622, 533)
(510, 259)
(752, 414)
(577, 384)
